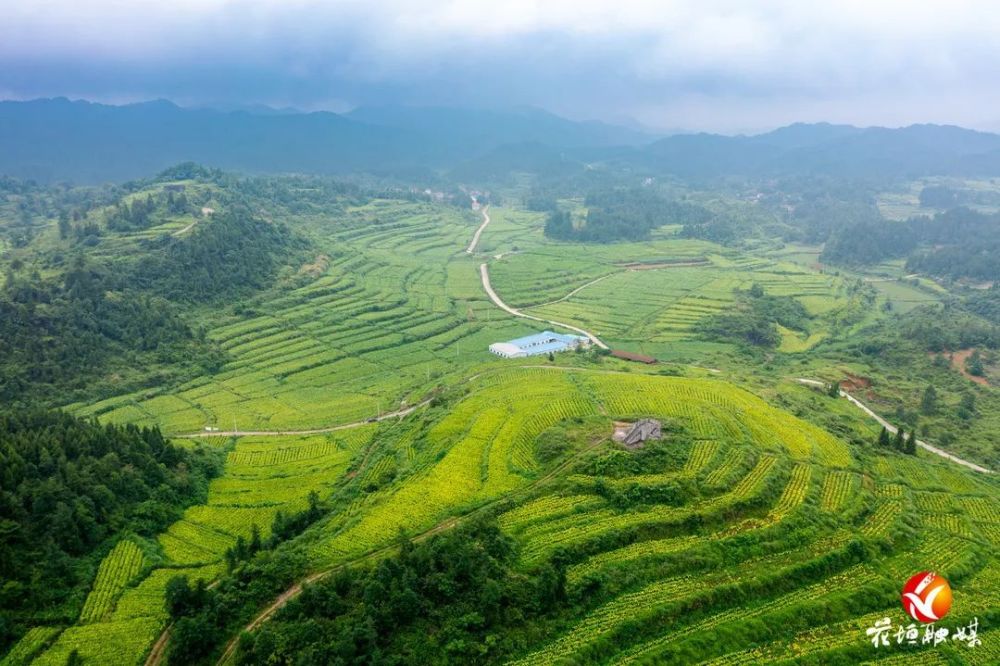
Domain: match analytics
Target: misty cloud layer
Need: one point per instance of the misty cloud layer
(684, 64)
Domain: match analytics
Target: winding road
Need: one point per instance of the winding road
(484, 271)
(892, 429)
(479, 232)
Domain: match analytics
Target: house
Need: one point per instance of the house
(641, 431)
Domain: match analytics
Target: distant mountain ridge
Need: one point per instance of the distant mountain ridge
(61, 140)
(839, 150)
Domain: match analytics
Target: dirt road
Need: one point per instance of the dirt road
(316, 431)
(485, 273)
(479, 232)
(575, 291)
(447, 524)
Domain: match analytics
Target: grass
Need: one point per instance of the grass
(397, 314)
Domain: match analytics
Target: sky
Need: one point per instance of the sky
(665, 64)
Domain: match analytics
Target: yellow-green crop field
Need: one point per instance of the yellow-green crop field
(783, 523)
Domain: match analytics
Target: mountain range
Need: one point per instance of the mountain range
(82, 142)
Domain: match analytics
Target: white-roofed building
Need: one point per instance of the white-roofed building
(540, 343)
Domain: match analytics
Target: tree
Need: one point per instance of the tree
(255, 542)
(974, 364)
(64, 225)
(928, 403)
(899, 442)
(884, 440)
(967, 406)
(911, 444)
(834, 390)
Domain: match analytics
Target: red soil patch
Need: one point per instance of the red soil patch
(958, 362)
(855, 383)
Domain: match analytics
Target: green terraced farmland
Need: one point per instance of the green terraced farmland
(745, 512)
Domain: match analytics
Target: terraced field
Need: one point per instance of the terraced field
(755, 515)
(776, 496)
(655, 565)
(125, 609)
(397, 306)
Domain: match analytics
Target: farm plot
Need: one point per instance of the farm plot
(262, 476)
(398, 307)
(30, 645)
(117, 570)
(629, 305)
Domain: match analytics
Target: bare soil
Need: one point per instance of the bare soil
(958, 359)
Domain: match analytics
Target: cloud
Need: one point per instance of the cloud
(703, 64)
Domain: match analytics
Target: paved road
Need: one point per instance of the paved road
(891, 428)
(479, 232)
(485, 273)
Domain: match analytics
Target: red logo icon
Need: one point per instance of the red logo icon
(927, 597)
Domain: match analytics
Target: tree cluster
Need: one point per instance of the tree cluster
(623, 214)
(755, 318)
(234, 255)
(68, 487)
(62, 335)
(899, 442)
(456, 598)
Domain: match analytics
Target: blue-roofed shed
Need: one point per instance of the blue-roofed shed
(539, 343)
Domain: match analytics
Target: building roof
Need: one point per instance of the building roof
(543, 337)
(505, 348)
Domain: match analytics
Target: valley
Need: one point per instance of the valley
(355, 404)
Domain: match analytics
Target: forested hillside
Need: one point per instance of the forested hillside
(68, 489)
(106, 298)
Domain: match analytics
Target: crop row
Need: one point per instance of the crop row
(545, 508)
(33, 642)
(701, 452)
(837, 488)
(606, 618)
(543, 538)
(724, 472)
(795, 491)
(982, 509)
(855, 576)
(886, 513)
(934, 502)
(118, 568)
(948, 523)
(102, 643)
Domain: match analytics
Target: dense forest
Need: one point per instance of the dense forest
(67, 488)
(234, 255)
(957, 243)
(65, 336)
(620, 214)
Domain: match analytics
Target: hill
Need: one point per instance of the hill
(383, 470)
(57, 139)
(836, 150)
